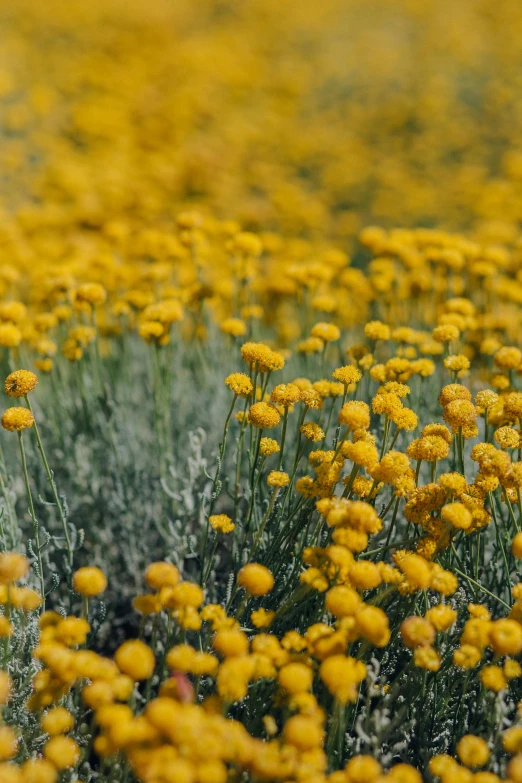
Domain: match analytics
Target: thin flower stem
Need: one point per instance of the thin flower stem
(36, 531)
(54, 491)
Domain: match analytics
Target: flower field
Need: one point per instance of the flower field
(261, 356)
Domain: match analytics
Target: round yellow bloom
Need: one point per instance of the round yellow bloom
(513, 405)
(347, 374)
(342, 601)
(493, 678)
(62, 751)
(20, 382)
(365, 575)
(417, 631)
(296, 677)
(91, 293)
(13, 567)
(372, 624)
(507, 437)
(235, 327)
(278, 478)
(89, 581)
(10, 336)
(355, 415)
(426, 657)
(457, 363)
(442, 617)
(312, 432)
(376, 330)
(286, 394)
(262, 618)
(508, 358)
(303, 732)
(162, 574)
(38, 771)
(430, 448)
(453, 391)
(255, 579)
(135, 659)
(417, 571)
(506, 637)
(467, 656)
(264, 415)
(312, 399)
(6, 686)
(221, 523)
(17, 419)
(457, 515)
(342, 675)
(268, 446)
(57, 721)
(446, 333)
(460, 413)
(486, 399)
(516, 546)
(230, 642)
(514, 768)
(326, 331)
(12, 311)
(240, 384)
(184, 594)
(8, 743)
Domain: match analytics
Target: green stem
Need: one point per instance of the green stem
(36, 532)
(53, 487)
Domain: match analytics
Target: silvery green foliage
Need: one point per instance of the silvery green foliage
(134, 459)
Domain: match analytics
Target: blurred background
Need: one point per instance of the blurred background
(305, 117)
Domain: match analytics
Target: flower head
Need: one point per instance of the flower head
(20, 382)
(17, 419)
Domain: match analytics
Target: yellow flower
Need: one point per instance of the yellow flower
(20, 382)
(221, 523)
(255, 579)
(262, 618)
(10, 336)
(89, 581)
(57, 721)
(17, 419)
(263, 415)
(473, 751)
(13, 567)
(135, 659)
(376, 330)
(493, 678)
(286, 394)
(62, 751)
(92, 293)
(457, 515)
(347, 374)
(326, 331)
(506, 637)
(355, 415)
(240, 384)
(446, 333)
(268, 446)
(417, 631)
(278, 478)
(8, 743)
(233, 326)
(162, 574)
(508, 358)
(342, 676)
(426, 657)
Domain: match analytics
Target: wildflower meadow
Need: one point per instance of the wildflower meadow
(261, 380)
